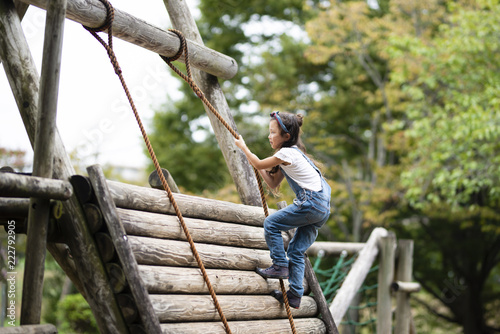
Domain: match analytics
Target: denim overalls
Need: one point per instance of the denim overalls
(309, 211)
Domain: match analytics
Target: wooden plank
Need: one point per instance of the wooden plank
(154, 200)
(387, 246)
(240, 169)
(356, 276)
(90, 278)
(163, 252)
(92, 13)
(123, 250)
(39, 210)
(163, 226)
(15, 185)
(182, 308)
(175, 280)
(302, 325)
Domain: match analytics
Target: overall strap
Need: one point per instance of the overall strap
(309, 160)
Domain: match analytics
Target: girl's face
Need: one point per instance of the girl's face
(276, 139)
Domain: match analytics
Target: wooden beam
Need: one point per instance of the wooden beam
(307, 325)
(123, 250)
(178, 254)
(328, 248)
(154, 200)
(182, 308)
(39, 211)
(90, 278)
(175, 280)
(387, 246)
(319, 297)
(302, 325)
(357, 275)
(240, 169)
(163, 226)
(15, 185)
(92, 13)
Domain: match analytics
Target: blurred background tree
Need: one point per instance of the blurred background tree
(401, 105)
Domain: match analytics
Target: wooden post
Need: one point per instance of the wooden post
(356, 276)
(90, 278)
(92, 13)
(38, 216)
(404, 276)
(385, 278)
(155, 182)
(239, 168)
(123, 250)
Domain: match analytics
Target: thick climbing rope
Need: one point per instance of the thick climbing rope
(183, 49)
(107, 25)
(109, 48)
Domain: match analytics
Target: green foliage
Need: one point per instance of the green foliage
(75, 316)
(401, 106)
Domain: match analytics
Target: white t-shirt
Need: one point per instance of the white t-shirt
(299, 169)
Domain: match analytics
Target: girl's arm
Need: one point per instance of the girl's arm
(272, 180)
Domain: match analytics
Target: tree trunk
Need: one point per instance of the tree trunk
(239, 167)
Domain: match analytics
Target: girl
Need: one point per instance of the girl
(309, 211)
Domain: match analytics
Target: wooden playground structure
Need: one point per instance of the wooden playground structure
(122, 245)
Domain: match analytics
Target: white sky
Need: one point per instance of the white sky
(93, 114)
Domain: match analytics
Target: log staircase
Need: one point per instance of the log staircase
(144, 249)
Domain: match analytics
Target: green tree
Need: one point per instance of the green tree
(75, 315)
(452, 178)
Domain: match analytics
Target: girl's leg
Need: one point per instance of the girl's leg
(303, 239)
(273, 225)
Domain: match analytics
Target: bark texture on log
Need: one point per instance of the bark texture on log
(202, 230)
(178, 254)
(175, 280)
(181, 308)
(306, 325)
(154, 200)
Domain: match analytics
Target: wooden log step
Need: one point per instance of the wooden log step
(175, 280)
(182, 308)
(280, 326)
(163, 252)
(154, 200)
(205, 231)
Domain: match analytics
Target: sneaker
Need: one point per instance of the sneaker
(293, 300)
(273, 271)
